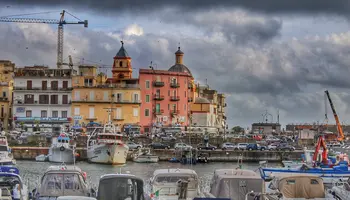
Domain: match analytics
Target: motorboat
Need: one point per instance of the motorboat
(234, 184)
(121, 186)
(144, 155)
(10, 180)
(105, 145)
(341, 190)
(61, 150)
(297, 187)
(63, 180)
(174, 184)
(41, 158)
(6, 157)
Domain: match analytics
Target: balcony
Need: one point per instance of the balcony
(175, 112)
(190, 99)
(158, 83)
(118, 119)
(115, 101)
(158, 112)
(190, 86)
(4, 84)
(174, 85)
(112, 85)
(4, 99)
(48, 89)
(158, 97)
(174, 98)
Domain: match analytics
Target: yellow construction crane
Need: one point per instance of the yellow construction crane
(60, 23)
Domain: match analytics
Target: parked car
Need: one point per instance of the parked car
(159, 146)
(272, 146)
(241, 146)
(182, 146)
(133, 145)
(206, 147)
(167, 137)
(227, 146)
(256, 147)
(285, 147)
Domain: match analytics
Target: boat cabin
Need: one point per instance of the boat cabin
(166, 182)
(120, 186)
(228, 183)
(63, 181)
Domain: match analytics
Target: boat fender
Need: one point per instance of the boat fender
(62, 148)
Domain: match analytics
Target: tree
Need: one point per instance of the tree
(237, 129)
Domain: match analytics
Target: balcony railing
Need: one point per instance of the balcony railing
(43, 89)
(174, 98)
(4, 84)
(175, 112)
(117, 101)
(158, 97)
(158, 83)
(4, 98)
(190, 86)
(190, 99)
(174, 85)
(126, 86)
(158, 112)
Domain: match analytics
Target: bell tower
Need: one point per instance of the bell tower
(122, 68)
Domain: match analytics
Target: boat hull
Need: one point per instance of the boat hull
(146, 159)
(114, 154)
(58, 156)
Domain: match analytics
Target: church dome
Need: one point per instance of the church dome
(180, 68)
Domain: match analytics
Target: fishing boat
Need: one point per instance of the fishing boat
(63, 180)
(105, 145)
(11, 182)
(144, 155)
(120, 186)
(6, 157)
(61, 150)
(174, 184)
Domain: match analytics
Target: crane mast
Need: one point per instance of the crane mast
(60, 23)
(339, 128)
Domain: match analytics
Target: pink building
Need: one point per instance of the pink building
(166, 95)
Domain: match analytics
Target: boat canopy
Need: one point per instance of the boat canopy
(173, 175)
(120, 186)
(228, 183)
(304, 186)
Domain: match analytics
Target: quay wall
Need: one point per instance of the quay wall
(29, 153)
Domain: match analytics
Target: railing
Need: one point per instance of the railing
(174, 85)
(108, 101)
(158, 97)
(4, 98)
(190, 99)
(174, 98)
(158, 83)
(130, 86)
(43, 89)
(190, 86)
(175, 112)
(4, 84)
(158, 112)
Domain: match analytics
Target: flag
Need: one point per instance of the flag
(155, 194)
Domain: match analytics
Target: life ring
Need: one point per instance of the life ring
(62, 148)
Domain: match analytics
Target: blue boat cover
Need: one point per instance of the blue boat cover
(8, 169)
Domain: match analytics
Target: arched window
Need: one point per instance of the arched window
(120, 64)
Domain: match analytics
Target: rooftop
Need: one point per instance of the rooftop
(122, 52)
(179, 68)
(266, 124)
(43, 71)
(163, 72)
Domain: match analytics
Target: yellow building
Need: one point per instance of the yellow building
(6, 87)
(94, 94)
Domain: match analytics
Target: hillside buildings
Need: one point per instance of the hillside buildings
(42, 98)
(6, 86)
(95, 94)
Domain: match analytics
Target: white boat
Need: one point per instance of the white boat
(6, 157)
(10, 181)
(341, 190)
(105, 145)
(41, 158)
(174, 184)
(61, 151)
(144, 156)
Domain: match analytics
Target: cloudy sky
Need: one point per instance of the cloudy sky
(264, 55)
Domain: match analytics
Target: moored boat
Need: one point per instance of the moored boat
(6, 157)
(11, 184)
(144, 156)
(61, 150)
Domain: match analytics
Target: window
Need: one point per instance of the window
(135, 112)
(77, 95)
(88, 82)
(185, 107)
(168, 93)
(64, 99)
(91, 112)
(118, 113)
(105, 95)
(43, 113)
(54, 85)
(136, 98)
(28, 113)
(64, 114)
(120, 64)
(44, 85)
(157, 108)
(2, 111)
(29, 85)
(77, 111)
(65, 84)
(146, 112)
(147, 98)
(185, 93)
(3, 94)
(92, 95)
(158, 93)
(43, 99)
(54, 99)
(168, 106)
(174, 107)
(119, 97)
(29, 98)
(54, 113)
(147, 84)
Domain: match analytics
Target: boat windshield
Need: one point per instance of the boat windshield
(8, 180)
(3, 148)
(174, 179)
(121, 189)
(62, 184)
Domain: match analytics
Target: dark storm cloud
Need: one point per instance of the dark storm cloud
(270, 6)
